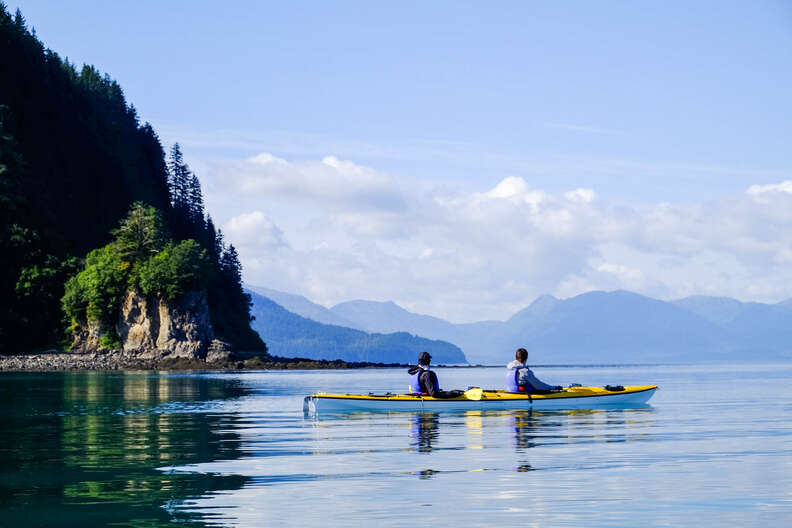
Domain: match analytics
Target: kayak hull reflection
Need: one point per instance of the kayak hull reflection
(572, 398)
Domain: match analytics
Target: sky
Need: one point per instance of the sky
(464, 158)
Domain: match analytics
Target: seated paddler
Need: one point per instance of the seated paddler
(424, 381)
(520, 378)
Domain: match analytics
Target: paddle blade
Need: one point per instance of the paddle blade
(473, 394)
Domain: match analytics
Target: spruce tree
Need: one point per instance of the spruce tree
(231, 268)
(195, 207)
(209, 240)
(178, 179)
(141, 234)
(219, 245)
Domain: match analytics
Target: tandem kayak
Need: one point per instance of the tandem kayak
(475, 398)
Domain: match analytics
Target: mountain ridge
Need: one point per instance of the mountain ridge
(390, 317)
(597, 326)
(292, 335)
(300, 305)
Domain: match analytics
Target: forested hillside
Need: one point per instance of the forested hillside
(73, 158)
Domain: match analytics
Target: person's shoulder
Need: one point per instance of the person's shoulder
(514, 364)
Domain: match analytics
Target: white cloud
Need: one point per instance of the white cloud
(254, 230)
(509, 188)
(619, 276)
(757, 190)
(581, 195)
(353, 232)
(329, 181)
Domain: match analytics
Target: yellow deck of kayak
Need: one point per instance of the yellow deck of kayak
(499, 395)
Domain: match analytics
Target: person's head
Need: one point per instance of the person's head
(424, 358)
(521, 355)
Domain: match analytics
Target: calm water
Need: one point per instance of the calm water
(234, 449)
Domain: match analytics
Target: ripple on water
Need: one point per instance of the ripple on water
(235, 449)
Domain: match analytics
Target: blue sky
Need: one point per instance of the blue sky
(647, 104)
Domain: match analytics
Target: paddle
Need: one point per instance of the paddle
(473, 393)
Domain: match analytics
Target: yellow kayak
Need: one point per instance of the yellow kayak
(475, 398)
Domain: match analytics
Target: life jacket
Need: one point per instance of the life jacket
(512, 385)
(511, 381)
(415, 383)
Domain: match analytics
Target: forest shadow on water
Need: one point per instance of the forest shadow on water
(82, 449)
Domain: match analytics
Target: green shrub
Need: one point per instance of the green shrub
(175, 270)
(74, 300)
(97, 291)
(110, 340)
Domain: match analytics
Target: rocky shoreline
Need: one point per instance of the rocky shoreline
(54, 361)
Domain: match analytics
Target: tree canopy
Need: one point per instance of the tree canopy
(141, 234)
(74, 158)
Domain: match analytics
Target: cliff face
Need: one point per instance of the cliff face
(151, 327)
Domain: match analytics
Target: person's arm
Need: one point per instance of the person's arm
(429, 380)
(527, 377)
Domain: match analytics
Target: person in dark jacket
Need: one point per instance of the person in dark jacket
(520, 378)
(423, 380)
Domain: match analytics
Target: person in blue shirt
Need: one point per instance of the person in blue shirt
(520, 378)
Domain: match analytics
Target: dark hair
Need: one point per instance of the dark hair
(521, 355)
(424, 358)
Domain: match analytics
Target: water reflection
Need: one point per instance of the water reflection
(83, 448)
(523, 424)
(484, 428)
(674, 466)
(142, 449)
(424, 431)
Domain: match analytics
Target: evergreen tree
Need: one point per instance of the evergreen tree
(219, 244)
(195, 206)
(209, 240)
(178, 179)
(226, 292)
(231, 268)
(19, 20)
(73, 158)
(141, 234)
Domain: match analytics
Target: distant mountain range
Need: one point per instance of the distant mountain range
(300, 305)
(290, 335)
(595, 327)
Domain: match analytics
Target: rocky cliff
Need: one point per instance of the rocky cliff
(151, 328)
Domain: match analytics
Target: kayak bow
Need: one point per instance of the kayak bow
(571, 398)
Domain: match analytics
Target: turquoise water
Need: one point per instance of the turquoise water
(234, 449)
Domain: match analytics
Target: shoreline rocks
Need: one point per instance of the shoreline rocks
(219, 357)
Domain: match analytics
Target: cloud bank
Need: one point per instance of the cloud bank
(334, 230)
